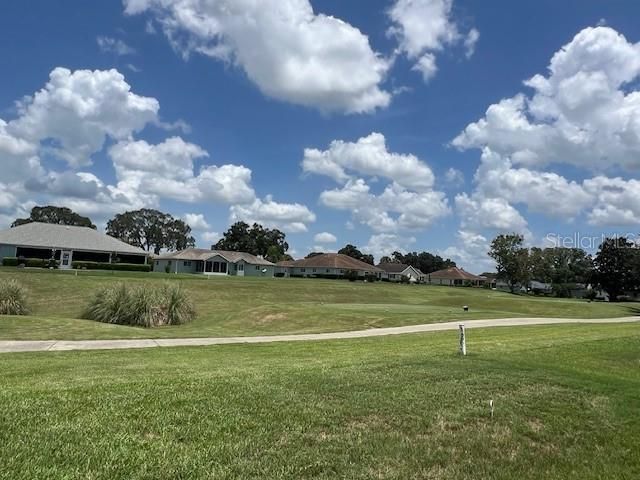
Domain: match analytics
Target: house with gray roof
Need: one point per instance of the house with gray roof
(213, 262)
(66, 244)
(396, 272)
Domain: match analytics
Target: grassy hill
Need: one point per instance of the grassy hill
(566, 407)
(256, 306)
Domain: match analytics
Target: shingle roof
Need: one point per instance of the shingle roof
(455, 273)
(396, 267)
(334, 260)
(285, 263)
(64, 237)
(204, 254)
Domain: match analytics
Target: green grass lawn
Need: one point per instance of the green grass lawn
(263, 306)
(566, 407)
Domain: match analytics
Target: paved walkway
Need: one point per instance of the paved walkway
(63, 345)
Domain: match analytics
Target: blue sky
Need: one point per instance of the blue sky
(393, 125)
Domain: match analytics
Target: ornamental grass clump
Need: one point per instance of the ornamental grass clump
(141, 306)
(13, 298)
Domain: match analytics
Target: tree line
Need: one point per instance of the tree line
(615, 268)
(423, 261)
(146, 228)
(155, 231)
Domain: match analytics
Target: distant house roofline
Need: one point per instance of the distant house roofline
(334, 260)
(201, 254)
(41, 235)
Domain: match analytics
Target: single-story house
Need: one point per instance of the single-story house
(328, 265)
(454, 276)
(395, 272)
(213, 262)
(540, 287)
(66, 244)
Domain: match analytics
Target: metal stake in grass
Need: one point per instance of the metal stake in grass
(491, 407)
(463, 340)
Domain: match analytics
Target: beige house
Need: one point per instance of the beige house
(326, 265)
(454, 277)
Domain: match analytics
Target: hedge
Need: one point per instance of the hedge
(125, 267)
(29, 262)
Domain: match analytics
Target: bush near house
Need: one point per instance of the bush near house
(123, 267)
(351, 275)
(13, 298)
(29, 262)
(141, 306)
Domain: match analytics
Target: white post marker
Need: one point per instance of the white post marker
(491, 406)
(463, 340)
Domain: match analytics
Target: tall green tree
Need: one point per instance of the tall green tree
(541, 261)
(512, 259)
(353, 252)
(256, 240)
(151, 230)
(616, 266)
(56, 215)
(423, 261)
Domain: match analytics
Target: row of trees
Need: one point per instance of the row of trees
(424, 261)
(146, 228)
(155, 231)
(57, 215)
(615, 268)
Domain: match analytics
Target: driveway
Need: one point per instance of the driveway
(7, 346)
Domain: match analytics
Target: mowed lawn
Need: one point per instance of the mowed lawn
(262, 306)
(405, 407)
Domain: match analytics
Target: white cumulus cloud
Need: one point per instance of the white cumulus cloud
(368, 156)
(79, 110)
(325, 237)
(290, 217)
(114, 45)
(424, 27)
(289, 51)
(196, 221)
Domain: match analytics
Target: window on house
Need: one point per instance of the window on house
(223, 267)
(169, 263)
(341, 271)
(328, 270)
(314, 270)
(303, 269)
(187, 263)
(257, 267)
(216, 267)
(241, 267)
(157, 262)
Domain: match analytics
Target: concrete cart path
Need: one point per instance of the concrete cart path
(64, 345)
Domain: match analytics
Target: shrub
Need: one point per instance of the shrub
(591, 294)
(141, 306)
(562, 290)
(351, 275)
(13, 298)
(123, 267)
(30, 262)
(10, 262)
